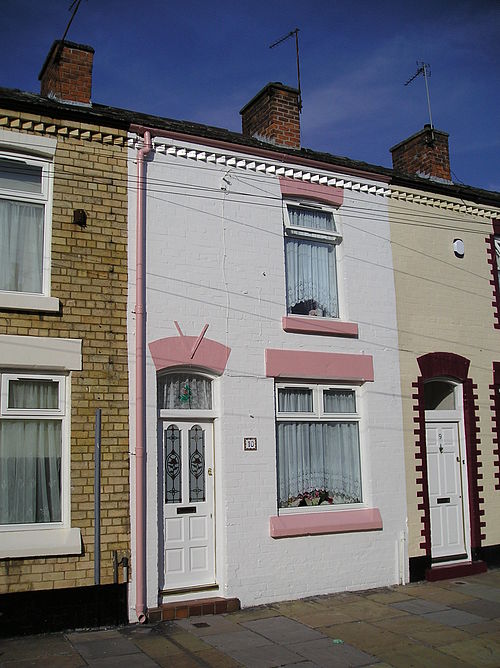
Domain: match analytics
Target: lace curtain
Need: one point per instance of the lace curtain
(30, 459)
(21, 246)
(184, 391)
(311, 277)
(318, 455)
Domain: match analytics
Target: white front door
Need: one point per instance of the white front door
(188, 504)
(444, 471)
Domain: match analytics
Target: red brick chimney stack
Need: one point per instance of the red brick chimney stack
(273, 115)
(423, 154)
(66, 74)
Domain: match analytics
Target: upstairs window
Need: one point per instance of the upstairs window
(310, 258)
(24, 227)
(319, 460)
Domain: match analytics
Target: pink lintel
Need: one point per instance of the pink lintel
(177, 351)
(321, 326)
(330, 366)
(326, 194)
(309, 524)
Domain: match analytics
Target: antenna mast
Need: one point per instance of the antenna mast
(425, 69)
(279, 41)
(76, 5)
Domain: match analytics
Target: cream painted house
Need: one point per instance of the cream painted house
(446, 253)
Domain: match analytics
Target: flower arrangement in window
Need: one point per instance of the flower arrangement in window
(319, 497)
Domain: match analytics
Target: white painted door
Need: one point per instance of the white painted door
(188, 504)
(445, 490)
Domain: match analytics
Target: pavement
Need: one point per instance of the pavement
(421, 625)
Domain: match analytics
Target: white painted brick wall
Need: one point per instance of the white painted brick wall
(219, 259)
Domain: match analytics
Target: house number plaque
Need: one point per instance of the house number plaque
(249, 444)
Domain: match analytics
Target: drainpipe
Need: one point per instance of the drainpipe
(140, 376)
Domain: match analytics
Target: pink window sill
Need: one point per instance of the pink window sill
(321, 326)
(310, 524)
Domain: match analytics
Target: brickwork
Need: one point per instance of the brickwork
(425, 153)
(67, 72)
(89, 277)
(273, 114)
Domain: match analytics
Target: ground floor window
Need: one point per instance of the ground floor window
(32, 443)
(318, 446)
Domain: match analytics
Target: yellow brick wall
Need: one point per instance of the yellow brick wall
(444, 304)
(89, 277)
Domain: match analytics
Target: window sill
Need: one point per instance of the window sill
(16, 301)
(321, 326)
(310, 524)
(40, 543)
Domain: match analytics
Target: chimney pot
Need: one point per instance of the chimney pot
(66, 74)
(273, 115)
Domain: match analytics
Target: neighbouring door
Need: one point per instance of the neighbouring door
(444, 471)
(188, 504)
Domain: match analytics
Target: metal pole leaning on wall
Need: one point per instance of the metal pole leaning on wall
(97, 498)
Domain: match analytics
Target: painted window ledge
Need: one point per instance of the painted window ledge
(16, 301)
(40, 543)
(310, 524)
(321, 326)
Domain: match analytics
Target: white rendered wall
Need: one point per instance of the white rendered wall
(215, 254)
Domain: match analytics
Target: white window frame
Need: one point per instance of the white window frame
(36, 151)
(318, 414)
(334, 238)
(62, 413)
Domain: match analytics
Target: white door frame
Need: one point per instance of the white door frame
(455, 417)
(180, 583)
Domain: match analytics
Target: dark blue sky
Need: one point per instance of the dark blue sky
(203, 60)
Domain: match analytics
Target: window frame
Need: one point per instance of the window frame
(62, 414)
(44, 198)
(332, 238)
(319, 415)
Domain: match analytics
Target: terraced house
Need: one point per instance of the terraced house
(297, 353)
(63, 350)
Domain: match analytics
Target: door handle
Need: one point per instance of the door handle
(210, 471)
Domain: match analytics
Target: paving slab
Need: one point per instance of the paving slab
(133, 661)
(265, 657)
(208, 625)
(440, 594)
(386, 597)
(481, 607)
(248, 614)
(32, 648)
(486, 626)
(419, 656)
(157, 647)
(230, 642)
(326, 654)
(214, 658)
(282, 630)
(419, 606)
(364, 636)
(478, 590)
(479, 652)
(104, 647)
(453, 617)
(59, 661)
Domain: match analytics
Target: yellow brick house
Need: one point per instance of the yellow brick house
(63, 353)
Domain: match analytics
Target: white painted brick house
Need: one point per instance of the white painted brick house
(271, 410)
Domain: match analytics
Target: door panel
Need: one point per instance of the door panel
(188, 504)
(445, 489)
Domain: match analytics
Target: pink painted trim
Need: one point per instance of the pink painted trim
(326, 194)
(310, 524)
(331, 366)
(189, 351)
(320, 326)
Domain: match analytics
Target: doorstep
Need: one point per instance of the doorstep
(194, 608)
(459, 570)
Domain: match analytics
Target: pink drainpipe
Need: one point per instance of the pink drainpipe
(140, 372)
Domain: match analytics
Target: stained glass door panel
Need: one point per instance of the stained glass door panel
(188, 504)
